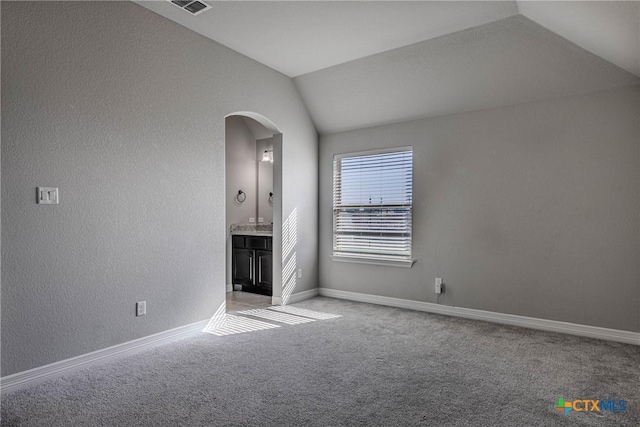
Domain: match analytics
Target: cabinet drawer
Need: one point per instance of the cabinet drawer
(251, 242)
(255, 242)
(237, 241)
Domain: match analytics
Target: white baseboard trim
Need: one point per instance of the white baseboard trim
(489, 316)
(297, 297)
(229, 287)
(34, 376)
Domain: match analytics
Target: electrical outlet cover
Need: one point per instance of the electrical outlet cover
(141, 308)
(47, 195)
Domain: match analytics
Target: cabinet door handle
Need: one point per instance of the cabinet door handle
(259, 270)
(251, 269)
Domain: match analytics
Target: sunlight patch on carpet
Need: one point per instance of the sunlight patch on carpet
(239, 325)
(304, 312)
(277, 317)
(218, 320)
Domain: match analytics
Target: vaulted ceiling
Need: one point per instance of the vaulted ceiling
(359, 64)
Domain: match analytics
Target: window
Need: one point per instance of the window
(372, 204)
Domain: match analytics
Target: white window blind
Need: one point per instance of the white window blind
(372, 204)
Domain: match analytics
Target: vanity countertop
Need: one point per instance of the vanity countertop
(252, 233)
(252, 230)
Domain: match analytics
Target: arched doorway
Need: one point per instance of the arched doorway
(253, 204)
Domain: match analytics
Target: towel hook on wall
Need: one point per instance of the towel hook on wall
(241, 196)
(270, 198)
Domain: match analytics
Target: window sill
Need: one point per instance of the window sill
(374, 261)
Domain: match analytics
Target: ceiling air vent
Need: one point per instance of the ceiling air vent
(193, 7)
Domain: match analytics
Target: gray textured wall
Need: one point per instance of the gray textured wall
(124, 111)
(502, 63)
(530, 210)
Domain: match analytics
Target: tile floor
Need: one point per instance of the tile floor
(238, 300)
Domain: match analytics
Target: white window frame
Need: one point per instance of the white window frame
(367, 258)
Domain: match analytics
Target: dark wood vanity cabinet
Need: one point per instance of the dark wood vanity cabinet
(243, 266)
(252, 263)
(264, 266)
